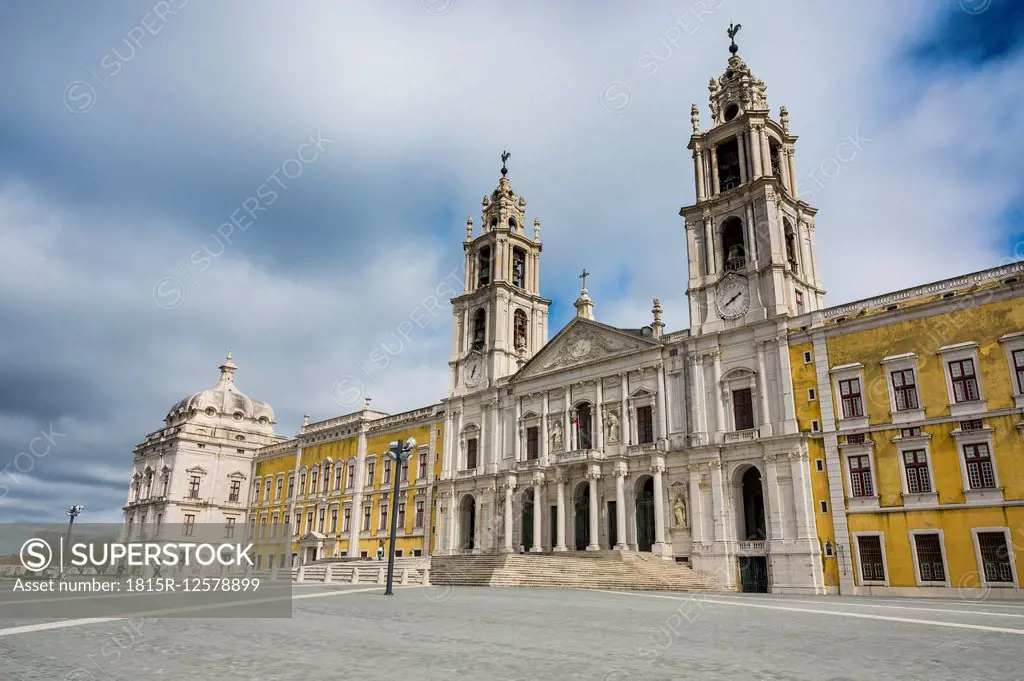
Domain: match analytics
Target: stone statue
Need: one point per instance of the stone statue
(612, 422)
(680, 510)
(556, 435)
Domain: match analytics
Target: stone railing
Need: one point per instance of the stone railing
(331, 423)
(924, 291)
(646, 448)
(574, 455)
(395, 420)
(751, 547)
(741, 435)
(277, 448)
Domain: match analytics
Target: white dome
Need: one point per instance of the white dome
(225, 400)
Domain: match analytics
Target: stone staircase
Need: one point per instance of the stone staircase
(580, 570)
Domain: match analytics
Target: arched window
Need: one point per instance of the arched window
(728, 165)
(520, 329)
(790, 244)
(494, 223)
(512, 224)
(773, 152)
(734, 249)
(518, 267)
(484, 266)
(479, 329)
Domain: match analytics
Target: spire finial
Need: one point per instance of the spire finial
(733, 30)
(584, 278)
(505, 156)
(367, 400)
(657, 326)
(227, 368)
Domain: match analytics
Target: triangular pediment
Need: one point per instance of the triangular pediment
(584, 341)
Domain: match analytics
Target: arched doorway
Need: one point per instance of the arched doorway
(645, 514)
(582, 515)
(753, 505)
(467, 523)
(527, 527)
(584, 426)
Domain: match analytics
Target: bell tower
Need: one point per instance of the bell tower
(749, 237)
(501, 320)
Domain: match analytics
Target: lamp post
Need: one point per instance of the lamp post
(398, 451)
(71, 513)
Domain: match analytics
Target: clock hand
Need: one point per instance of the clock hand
(729, 302)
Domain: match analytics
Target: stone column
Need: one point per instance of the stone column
(716, 356)
(592, 477)
(598, 439)
(470, 280)
(695, 507)
(457, 450)
(766, 157)
(700, 402)
(657, 468)
(786, 385)
(508, 518)
(803, 236)
(356, 526)
(537, 513)
(660, 403)
(517, 441)
(624, 426)
(453, 532)
(567, 421)
(698, 156)
(754, 151)
(560, 525)
(481, 448)
(765, 422)
(777, 525)
(794, 188)
(543, 444)
(713, 151)
(743, 157)
(620, 509)
(709, 247)
(497, 439)
(798, 462)
(718, 502)
(784, 166)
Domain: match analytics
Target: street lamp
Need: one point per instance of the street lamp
(72, 513)
(398, 451)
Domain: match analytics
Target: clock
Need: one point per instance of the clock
(473, 372)
(733, 296)
(581, 348)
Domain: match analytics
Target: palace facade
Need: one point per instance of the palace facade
(776, 444)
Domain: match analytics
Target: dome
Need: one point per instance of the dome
(223, 399)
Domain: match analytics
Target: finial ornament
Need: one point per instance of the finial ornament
(505, 156)
(584, 278)
(784, 119)
(733, 30)
(695, 118)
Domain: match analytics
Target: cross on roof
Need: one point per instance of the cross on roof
(584, 277)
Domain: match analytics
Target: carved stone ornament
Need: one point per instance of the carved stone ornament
(584, 344)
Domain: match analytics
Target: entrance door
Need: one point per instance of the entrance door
(645, 516)
(582, 517)
(613, 526)
(528, 511)
(554, 525)
(754, 574)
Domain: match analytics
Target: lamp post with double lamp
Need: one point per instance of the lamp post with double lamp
(398, 451)
(71, 513)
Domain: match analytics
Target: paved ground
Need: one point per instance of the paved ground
(480, 634)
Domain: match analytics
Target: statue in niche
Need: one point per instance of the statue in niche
(680, 511)
(612, 426)
(556, 435)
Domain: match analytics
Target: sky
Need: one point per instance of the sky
(292, 181)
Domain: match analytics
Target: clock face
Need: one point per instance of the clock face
(473, 372)
(733, 297)
(581, 348)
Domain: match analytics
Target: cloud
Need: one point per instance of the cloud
(110, 215)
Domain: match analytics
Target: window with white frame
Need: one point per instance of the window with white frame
(978, 460)
(915, 466)
(994, 553)
(371, 469)
(351, 481)
(346, 519)
(871, 554)
(1013, 343)
(267, 490)
(366, 519)
(422, 460)
(739, 386)
(860, 475)
(978, 466)
(848, 387)
(334, 520)
(419, 515)
(963, 380)
(904, 392)
(280, 487)
(929, 559)
(383, 512)
(339, 472)
(861, 485)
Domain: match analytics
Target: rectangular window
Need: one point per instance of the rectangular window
(532, 443)
(259, 561)
(334, 520)
(309, 521)
(807, 357)
(860, 476)
(387, 471)
(189, 524)
(824, 506)
(284, 523)
(416, 553)
(236, 490)
(326, 486)
(280, 485)
(815, 426)
(849, 391)
(298, 522)
(128, 531)
(929, 557)
(904, 389)
(419, 514)
(401, 517)
(872, 568)
(799, 296)
(273, 525)
(398, 553)
(405, 470)
(263, 527)
(229, 528)
(346, 519)
(383, 513)
(728, 165)
(366, 519)
(371, 470)
(995, 557)
(973, 424)
(193, 487)
(266, 492)
(338, 472)
(743, 409)
(855, 439)
(291, 486)
(644, 425)
(1018, 368)
(255, 493)
(812, 394)
(916, 465)
(320, 521)
(351, 476)
(471, 453)
(980, 474)
(312, 480)
(302, 484)
(363, 554)
(282, 560)
(423, 460)
(911, 432)
(965, 382)
(819, 465)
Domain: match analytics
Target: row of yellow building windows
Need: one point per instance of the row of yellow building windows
(318, 479)
(324, 523)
